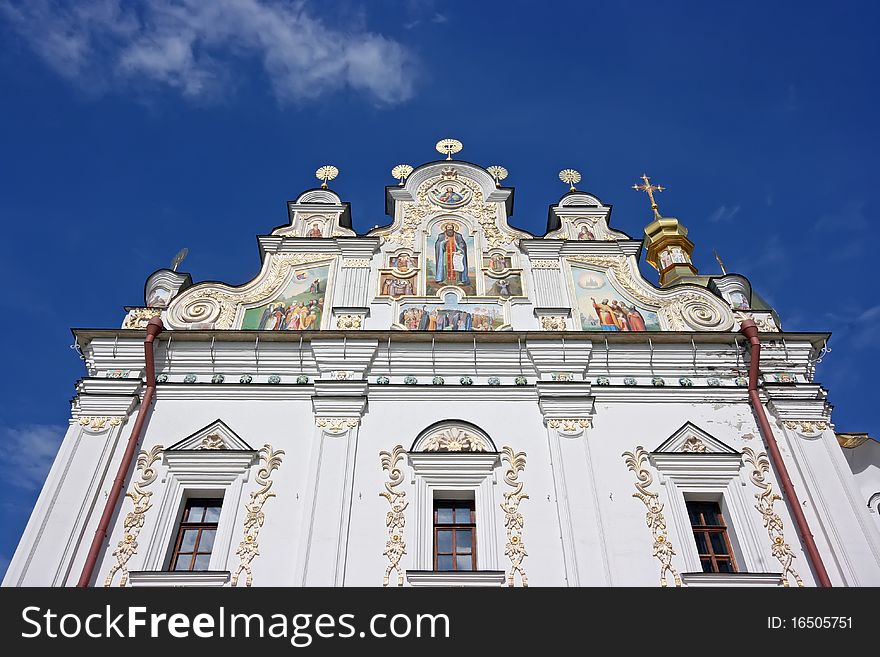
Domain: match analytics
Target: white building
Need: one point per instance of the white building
(449, 400)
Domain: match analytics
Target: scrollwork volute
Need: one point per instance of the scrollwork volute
(216, 304)
(515, 550)
(395, 519)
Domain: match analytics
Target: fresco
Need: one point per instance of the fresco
(450, 258)
(403, 262)
(603, 308)
(300, 306)
(315, 229)
(394, 286)
(452, 315)
(505, 287)
(497, 262)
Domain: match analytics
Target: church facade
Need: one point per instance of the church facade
(450, 401)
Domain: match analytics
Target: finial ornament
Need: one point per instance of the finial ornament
(325, 173)
(720, 262)
(650, 189)
(571, 177)
(179, 258)
(401, 171)
(499, 173)
(448, 147)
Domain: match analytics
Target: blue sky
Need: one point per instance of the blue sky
(127, 133)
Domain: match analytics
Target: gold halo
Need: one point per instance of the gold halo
(401, 171)
(325, 173)
(499, 173)
(448, 147)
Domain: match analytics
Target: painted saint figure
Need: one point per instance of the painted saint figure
(450, 196)
(497, 262)
(585, 233)
(450, 251)
(314, 231)
(606, 315)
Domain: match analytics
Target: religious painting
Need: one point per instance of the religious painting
(452, 315)
(450, 258)
(299, 307)
(497, 262)
(404, 262)
(504, 287)
(450, 194)
(603, 308)
(314, 228)
(585, 232)
(159, 298)
(395, 286)
(738, 301)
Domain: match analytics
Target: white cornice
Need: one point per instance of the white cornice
(456, 579)
(143, 578)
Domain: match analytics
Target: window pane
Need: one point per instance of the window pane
(463, 515)
(719, 545)
(444, 516)
(463, 541)
(183, 562)
(702, 545)
(202, 561)
(464, 562)
(196, 511)
(711, 514)
(212, 513)
(694, 514)
(206, 542)
(444, 540)
(725, 566)
(707, 565)
(189, 540)
(444, 563)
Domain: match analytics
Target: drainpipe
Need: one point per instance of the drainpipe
(154, 328)
(749, 329)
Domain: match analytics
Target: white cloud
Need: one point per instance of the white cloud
(27, 453)
(723, 214)
(192, 46)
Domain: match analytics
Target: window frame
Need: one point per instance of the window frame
(455, 526)
(708, 531)
(186, 524)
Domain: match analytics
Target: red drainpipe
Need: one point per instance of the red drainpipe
(749, 329)
(154, 328)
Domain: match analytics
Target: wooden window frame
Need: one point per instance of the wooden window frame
(712, 557)
(200, 525)
(455, 526)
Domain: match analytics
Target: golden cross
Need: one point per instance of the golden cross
(650, 189)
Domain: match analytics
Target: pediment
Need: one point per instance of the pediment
(691, 439)
(216, 436)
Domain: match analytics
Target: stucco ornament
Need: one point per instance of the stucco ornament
(637, 461)
(454, 439)
(760, 466)
(553, 323)
(348, 322)
(515, 550)
(249, 549)
(212, 441)
(570, 425)
(336, 424)
(96, 424)
(395, 520)
(694, 445)
(138, 318)
(216, 304)
(134, 519)
(806, 427)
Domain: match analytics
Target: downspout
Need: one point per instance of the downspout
(749, 329)
(154, 328)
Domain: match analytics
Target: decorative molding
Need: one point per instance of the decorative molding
(349, 321)
(336, 424)
(134, 519)
(138, 318)
(148, 578)
(760, 465)
(212, 441)
(806, 427)
(553, 323)
(351, 263)
(765, 322)
(570, 425)
(457, 579)
(636, 461)
(99, 423)
(454, 439)
(515, 549)
(395, 520)
(248, 549)
(545, 264)
(694, 445)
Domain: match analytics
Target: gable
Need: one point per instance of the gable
(691, 439)
(216, 436)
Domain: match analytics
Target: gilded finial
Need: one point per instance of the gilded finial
(325, 173)
(650, 189)
(401, 171)
(499, 173)
(571, 177)
(448, 147)
(720, 262)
